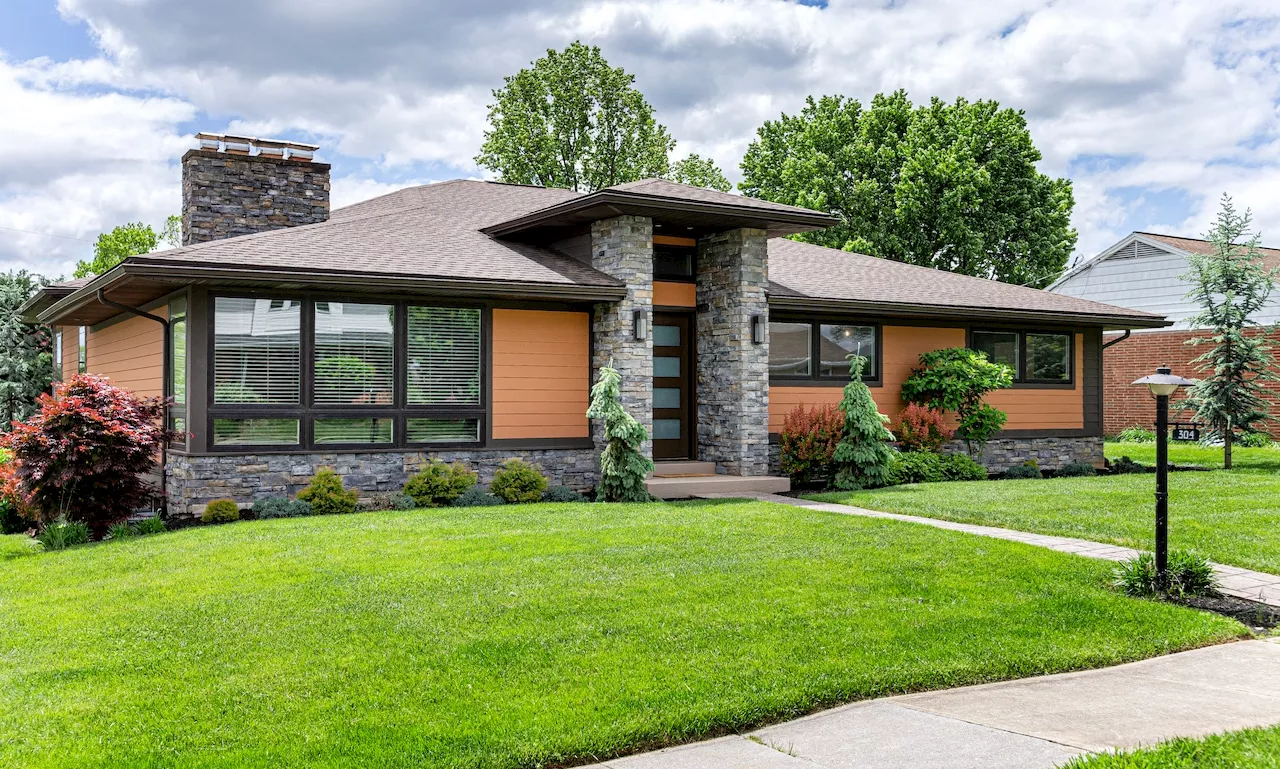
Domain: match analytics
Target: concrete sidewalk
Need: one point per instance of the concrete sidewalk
(1026, 724)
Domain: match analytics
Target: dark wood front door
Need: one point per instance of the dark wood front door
(673, 425)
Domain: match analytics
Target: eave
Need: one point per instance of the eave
(807, 304)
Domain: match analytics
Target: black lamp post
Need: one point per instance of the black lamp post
(1162, 384)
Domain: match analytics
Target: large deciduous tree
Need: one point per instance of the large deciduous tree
(952, 186)
(26, 361)
(572, 121)
(700, 172)
(114, 247)
(1230, 286)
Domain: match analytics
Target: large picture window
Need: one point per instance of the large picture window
(820, 350)
(256, 351)
(354, 360)
(1036, 357)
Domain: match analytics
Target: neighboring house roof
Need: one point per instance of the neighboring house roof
(1270, 256)
(441, 238)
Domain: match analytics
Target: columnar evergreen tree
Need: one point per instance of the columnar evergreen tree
(1230, 286)
(861, 459)
(26, 360)
(622, 467)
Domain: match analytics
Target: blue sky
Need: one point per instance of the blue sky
(1153, 109)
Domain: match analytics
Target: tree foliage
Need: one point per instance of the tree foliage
(622, 467)
(172, 232)
(952, 186)
(699, 172)
(808, 442)
(1230, 286)
(861, 459)
(26, 357)
(572, 121)
(114, 247)
(956, 379)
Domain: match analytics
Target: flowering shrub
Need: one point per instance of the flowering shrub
(921, 428)
(83, 454)
(808, 441)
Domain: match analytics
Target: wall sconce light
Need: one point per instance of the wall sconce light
(757, 329)
(640, 325)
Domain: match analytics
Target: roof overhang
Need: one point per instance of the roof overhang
(810, 304)
(42, 300)
(136, 282)
(677, 215)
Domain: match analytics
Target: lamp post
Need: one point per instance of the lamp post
(1162, 384)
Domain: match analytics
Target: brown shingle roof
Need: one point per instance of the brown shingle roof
(1270, 256)
(802, 273)
(674, 190)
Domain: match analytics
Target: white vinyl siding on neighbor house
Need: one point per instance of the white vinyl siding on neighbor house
(1148, 280)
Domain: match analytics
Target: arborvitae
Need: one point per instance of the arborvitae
(861, 460)
(622, 467)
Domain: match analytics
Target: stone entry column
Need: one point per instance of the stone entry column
(622, 247)
(733, 373)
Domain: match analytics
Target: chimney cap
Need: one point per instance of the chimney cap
(205, 136)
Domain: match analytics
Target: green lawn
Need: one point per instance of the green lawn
(1230, 517)
(15, 545)
(522, 636)
(1247, 749)
(1194, 454)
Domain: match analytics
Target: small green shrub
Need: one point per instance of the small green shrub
(1075, 470)
(1125, 466)
(327, 496)
(477, 496)
(1025, 470)
(518, 482)
(151, 525)
(63, 534)
(1189, 575)
(562, 494)
(1135, 435)
(960, 467)
(438, 484)
(221, 511)
(404, 502)
(121, 530)
(1255, 441)
(928, 467)
(11, 520)
(280, 507)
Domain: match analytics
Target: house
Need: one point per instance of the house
(464, 320)
(1143, 272)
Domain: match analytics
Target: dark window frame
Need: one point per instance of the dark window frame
(306, 411)
(1020, 379)
(82, 350)
(691, 251)
(815, 378)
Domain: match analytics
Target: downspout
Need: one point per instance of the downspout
(166, 376)
(1119, 339)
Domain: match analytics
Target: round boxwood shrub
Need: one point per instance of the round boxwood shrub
(1075, 470)
(438, 484)
(221, 511)
(327, 496)
(1028, 469)
(518, 482)
(477, 496)
(280, 507)
(562, 494)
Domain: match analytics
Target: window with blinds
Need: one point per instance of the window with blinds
(354, 358)
(443, 356)
(256, 350)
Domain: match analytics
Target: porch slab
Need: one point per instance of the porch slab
(717, 485)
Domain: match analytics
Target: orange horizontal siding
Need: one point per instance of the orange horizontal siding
(671, 240)
(129, 353)
(668, 294)
(541, 374)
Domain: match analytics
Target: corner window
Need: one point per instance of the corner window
(1036, 357)
(57, 354)
(256, 351)
(82, 349)
(819, 351)
(178, 351)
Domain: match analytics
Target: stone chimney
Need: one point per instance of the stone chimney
(238, 185)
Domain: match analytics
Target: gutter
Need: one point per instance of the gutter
(166, 376)
(1127, 333)
(805, 304)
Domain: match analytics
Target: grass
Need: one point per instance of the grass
(524, 636)
(1229, 517)
(1267, 459)
(1247, 749)
(16, 546)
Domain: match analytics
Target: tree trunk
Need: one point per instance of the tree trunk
(1226, 448)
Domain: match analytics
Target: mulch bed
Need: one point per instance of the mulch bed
(1257, 616)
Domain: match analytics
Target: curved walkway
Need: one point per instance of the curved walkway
(1240, 583)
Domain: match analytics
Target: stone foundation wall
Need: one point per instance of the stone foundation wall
(1003, 453)
(196, 480)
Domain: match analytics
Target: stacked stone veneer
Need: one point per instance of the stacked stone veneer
(226, 194)
(622, 247)
(195, 480)
(1003, 453)
(732, 372)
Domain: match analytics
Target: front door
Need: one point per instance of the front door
(673, 425)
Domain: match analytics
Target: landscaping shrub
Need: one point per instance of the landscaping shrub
(960, 467)
(403, 502)
(221, 511)
(84, 453)
(562, 494)
(477, 496)
(122, 530)
(62, 534)
(327, 496)
(921, 428)
(518, 482)
(150, 526)
(1125, 465)
(12, 521)
(1189, 575)
(861, 459)
(929, 467)
(808, 441)
(281, 507)
(1024, 470)
(623, 468)
(1255, 440)
(1075, 470)
(956, 379)
(438, 484)
(1135, 435)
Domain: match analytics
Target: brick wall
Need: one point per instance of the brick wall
(1126, 404)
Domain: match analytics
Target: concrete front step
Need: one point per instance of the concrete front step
(678, 469)
(721, 485)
